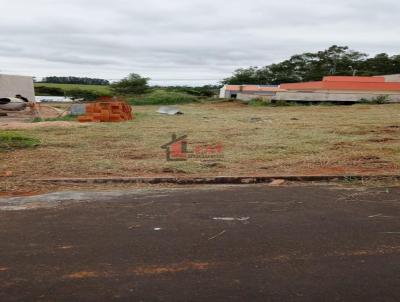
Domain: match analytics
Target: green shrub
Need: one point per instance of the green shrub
(381, 99)
(131, 85)
(162, 97)
(206, 92)
(258, 102)
(12, 140)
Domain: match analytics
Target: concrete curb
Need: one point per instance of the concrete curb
(212, 180)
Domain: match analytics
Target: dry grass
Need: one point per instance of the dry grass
(256, 140)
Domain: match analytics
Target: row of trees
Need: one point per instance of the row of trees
(75, 80)
(134, 84)
(336, 60)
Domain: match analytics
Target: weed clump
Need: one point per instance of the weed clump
(11, 140)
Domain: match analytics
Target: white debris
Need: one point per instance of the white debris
(170, 110)
(277, 182)
(232, 218)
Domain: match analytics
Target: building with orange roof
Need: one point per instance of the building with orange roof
(343, 89)
(330, 89)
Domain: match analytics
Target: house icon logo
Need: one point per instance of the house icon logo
(177, 148)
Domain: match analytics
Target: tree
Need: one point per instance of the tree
(133, 84)
(336, 60)
(75, 80)
(243, 76)
(382, 64)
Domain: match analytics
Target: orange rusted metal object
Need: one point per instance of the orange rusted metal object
(107, 110)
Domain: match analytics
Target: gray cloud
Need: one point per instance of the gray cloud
(179, 39)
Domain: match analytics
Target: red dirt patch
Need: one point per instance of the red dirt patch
(381, 140)
(227, 104)
(387, 129)
(366, 158)
(172, 268)
(351, 169)
(20, 193)
(82, 275)
(3, 269)
(383, 250)
(327, 171)
(24, 126)
(344, 144)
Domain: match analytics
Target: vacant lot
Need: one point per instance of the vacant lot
(255, 140)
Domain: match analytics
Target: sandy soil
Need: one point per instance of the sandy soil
(20, 125)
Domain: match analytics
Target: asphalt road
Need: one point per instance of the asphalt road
(254, 243)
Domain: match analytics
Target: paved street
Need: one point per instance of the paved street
(245, 243)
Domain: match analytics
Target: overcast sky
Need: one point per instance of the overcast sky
(200, 41)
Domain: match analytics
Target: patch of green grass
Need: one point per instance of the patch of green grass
(258, 103)
(100, 89)
(162, 97)
(66, 118)
(13, 140)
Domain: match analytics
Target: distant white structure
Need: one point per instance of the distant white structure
(248, 92)
(12, 85)
(53, 99)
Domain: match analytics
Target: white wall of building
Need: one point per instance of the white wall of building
(222, 93)
(392, 78)
(252, 96)
(329, 96)
(11, 85)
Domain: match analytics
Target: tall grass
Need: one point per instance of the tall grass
(162, 97)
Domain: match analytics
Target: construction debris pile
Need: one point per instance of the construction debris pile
(107, 110)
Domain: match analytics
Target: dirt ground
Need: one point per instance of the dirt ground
(26, 125)
(23, 119)
(297, 140)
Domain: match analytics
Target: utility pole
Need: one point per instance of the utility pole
(354, 71)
